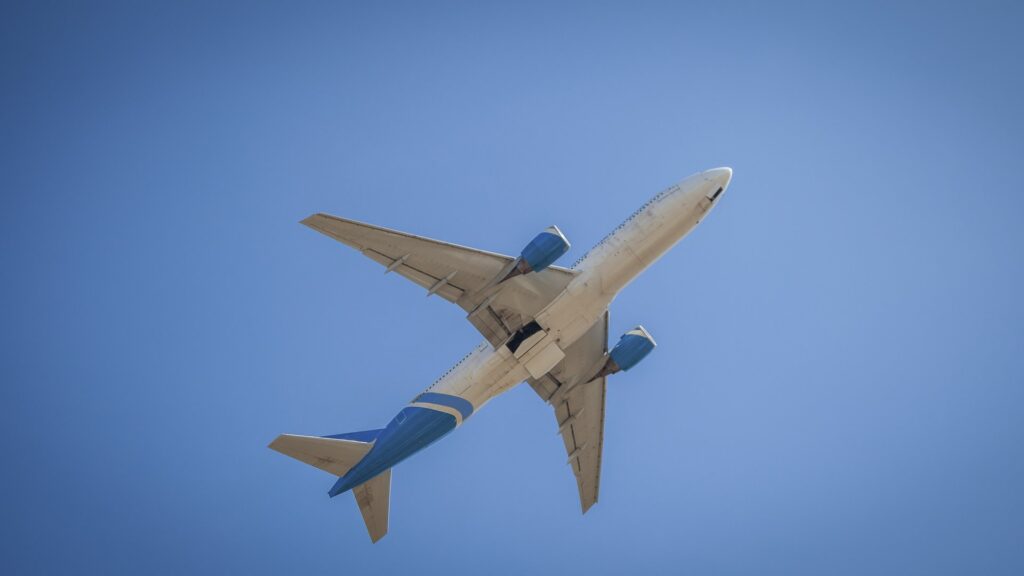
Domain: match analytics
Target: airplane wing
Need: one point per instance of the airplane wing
(465, 276)
(579, 407)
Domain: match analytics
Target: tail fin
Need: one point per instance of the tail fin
(374, 500)
(335, 454)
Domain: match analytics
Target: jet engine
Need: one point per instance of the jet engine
(631, 348)
(543, 250)
(540, 253)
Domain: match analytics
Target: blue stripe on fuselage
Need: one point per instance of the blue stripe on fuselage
(413, 429)
(465, 407)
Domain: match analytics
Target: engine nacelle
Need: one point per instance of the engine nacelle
(631, 348)
(543, 250)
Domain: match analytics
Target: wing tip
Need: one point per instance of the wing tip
(311, 219)
(276, 442)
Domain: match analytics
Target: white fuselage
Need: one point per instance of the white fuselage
(605, 270)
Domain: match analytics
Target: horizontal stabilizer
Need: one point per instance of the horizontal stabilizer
(374, 499)
(333, 455)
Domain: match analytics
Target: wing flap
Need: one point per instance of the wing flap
(582, 417)
(448, 289)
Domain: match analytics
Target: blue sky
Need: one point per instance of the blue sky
(838, 384)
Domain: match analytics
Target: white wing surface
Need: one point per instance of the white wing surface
(465, 276)
(579, 407)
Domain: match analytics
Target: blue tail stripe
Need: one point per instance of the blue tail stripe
(412, 430)
(362, 436)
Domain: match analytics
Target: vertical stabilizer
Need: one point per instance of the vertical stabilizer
(374, 499)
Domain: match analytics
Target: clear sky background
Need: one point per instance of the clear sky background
(838, 384)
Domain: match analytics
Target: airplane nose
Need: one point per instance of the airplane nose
(719, 179)
(720, 175)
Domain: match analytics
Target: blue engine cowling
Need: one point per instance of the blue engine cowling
(631, 348)
(543, 250)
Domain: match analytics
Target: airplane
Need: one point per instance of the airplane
(543, 324)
